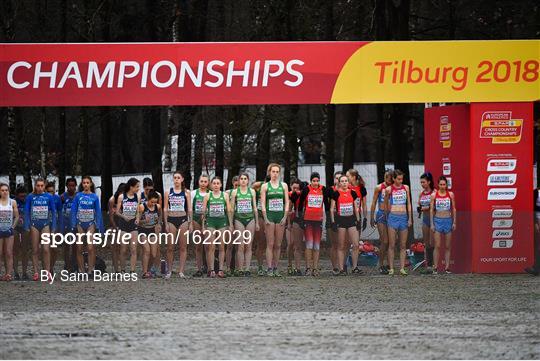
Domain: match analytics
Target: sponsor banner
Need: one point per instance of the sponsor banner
(498, 179)
(504, 194)
(501, 208)
(449, 159)
(99, 74)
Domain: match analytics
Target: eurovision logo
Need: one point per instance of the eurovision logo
(502, 194)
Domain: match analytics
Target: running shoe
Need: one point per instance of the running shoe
(247, 273)
(35, 277)
(198, 274)
(25, 276)
(447, 271)
(221, 274)
(297, 272)
(290, 271)
(212, 274)
(342, 273)
(270, 272)
(153, 271)
(17, 276)
(260, 272)
(168, 275)
(228, 273)
(335, 271)
(315, 273)
(181, 275)
(403, 272)
(383, 270)
(147, 275)
(357, 271)
(391, 272)
(276, 273)
(307, 272)
(434, 272)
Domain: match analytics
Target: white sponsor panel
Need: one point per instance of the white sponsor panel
(501, 165)
(498, 179)
(446, 169)
(502, 213)
(503, 233)
(502, 223)
(503, 243)
(449, 182)
(502, 194)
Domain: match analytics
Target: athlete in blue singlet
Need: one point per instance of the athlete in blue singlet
(67, 201)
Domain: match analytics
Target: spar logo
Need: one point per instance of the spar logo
(502, 213)
(502, 179)
(502, 194)
(501, 165)
(500, 127)
(502, 223)
(502, 243)
(503, 233)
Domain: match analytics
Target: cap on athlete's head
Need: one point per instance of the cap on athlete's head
(314, 175)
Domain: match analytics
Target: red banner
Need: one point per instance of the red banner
(447, 147)
(502, 161)
(179, 73)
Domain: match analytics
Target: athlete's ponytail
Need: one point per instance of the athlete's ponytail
(121, 188)
(132, 182)
(429, 177)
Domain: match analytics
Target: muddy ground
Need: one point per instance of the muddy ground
(371, 316)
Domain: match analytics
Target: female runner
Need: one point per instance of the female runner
(424, 202)
(40, 218)
(330, 233)
(148, 220)
(230, 268)
(217, 218)
(311, 209)
(379, 219)
(21, 240)
(197, 211)
(177, 218)
(126, 209)
(443, 222)
(294, 232)
(245, 220)
(86, 219)
(9, 218)
(274, 202)
(113, 220)
(398, 210)
(260, 236)
(346, 223)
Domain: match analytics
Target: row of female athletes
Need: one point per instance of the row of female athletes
(266, 210)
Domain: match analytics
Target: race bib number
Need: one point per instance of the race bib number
(40, 212)
(442, 204)
(129, 209)
(198, 206)
(177, 204)
(150, 219)
(86, 215)
(217, 210)
(399, 197)
(425, 201)
(346, 209)
(244, 206)
(275, 205)
(315, 201)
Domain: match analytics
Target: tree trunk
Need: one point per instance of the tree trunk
(125, 144)
(237, 133)
(349, 146)
(291, 144)
(380, 142)
(185, 130)
(106, 159)
(12, 149)
(198, 126)
(42, 151)
(263, 144)
(330, 144)
(62, 161)
(219, 154)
